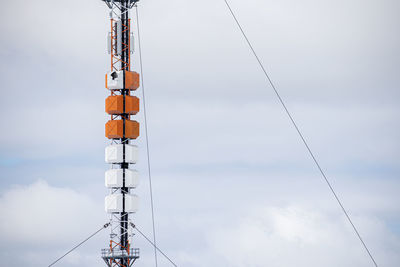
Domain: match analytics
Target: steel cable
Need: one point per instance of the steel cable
(81, 243)
(147, 138)
(300, 134)
(155, 247)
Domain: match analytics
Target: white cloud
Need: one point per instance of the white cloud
(297, 236)
(255, 224)
(46, 214)
(40, 222)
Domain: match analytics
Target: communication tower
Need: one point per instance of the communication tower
(122, 130)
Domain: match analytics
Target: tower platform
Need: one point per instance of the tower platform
(111, 255)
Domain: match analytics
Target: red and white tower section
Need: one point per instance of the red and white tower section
(122, 130)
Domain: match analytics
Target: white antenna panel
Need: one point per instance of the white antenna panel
(114, 178)
(109, 43)
(113, 203)
(132, 41)
(119, 37)
(131, 203)
(115, 154)
(115, 80)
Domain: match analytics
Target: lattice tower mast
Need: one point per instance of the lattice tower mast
(122, 130)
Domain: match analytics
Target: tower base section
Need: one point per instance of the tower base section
(114, 257)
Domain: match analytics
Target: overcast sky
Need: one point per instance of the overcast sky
(233, 184)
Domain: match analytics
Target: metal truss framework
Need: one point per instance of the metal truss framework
(120, 253)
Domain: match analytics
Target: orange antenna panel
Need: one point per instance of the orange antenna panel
(115, 105)
(116, 129)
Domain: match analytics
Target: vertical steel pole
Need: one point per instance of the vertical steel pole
(124, 66)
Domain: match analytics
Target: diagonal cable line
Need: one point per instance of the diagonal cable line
(300, 134)
(147, 139)
(155, 247)
(81, 243)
